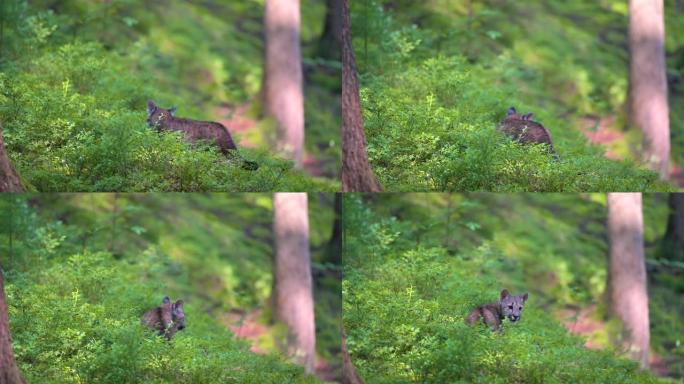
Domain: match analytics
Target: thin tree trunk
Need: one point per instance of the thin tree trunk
(357, 175)
(9, 372)
(293, 281)
(447, 229)
(283, 89)
(673, 241)
(115, 213)
(9, 180)
(349, 374)
(628, 297)
(330, 44)
(648, 81)
(335, 243)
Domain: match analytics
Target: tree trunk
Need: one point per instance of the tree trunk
(115, 214)
(9, 180)
(349, 374)
(283, 91)
(648, 81)
(9, 372)
(293, 281)
(357, 175)
(627, 291)
(335, 243)
(673, 241)
(330, 44)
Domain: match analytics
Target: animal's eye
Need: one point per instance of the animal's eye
(520, 308)
(510, 306)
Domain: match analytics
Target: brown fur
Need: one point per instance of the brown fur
(167, 319)
(9, 179)
(164, 120)
(492, 314)
(523, 129)
(194, 131)
(489, 313)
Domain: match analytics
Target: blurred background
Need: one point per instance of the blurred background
(81, 269)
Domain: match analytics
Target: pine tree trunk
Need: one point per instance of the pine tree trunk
(357, 175)
(627, 293)
(648, 82)
(283, 89)
(9, 372)
(9, 180)
(673, 241)
(293, 281)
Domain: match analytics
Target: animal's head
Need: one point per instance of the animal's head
(512, 114)
(175, 314)
(178, 315)
(512, 306)
(156, 116)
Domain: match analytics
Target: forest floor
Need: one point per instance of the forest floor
(585, 323)
(602, 131)
(238, 121)
(249, 326)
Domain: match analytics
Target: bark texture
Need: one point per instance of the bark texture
(357, 175)
(627, 290)
(673, 242)
(648, 82)
(283, 91)
(293, 281)
(9, 180)
(349, 374)
(9, 372)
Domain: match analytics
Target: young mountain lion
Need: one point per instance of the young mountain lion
(167, 319)
(523, 129)
(164, 120)
(508, 306)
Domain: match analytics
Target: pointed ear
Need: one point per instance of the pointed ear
(511, 111)
(166, 300)
(528, 116)
(172, 111)
(179, 304)
(504, 294)
(151, 107)
(524, 297)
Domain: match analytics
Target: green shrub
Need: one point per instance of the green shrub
(77, 121)
(74, 81)
(432, 127)
(75, 310)
(436, 80)
(404, 304)
(79, 321)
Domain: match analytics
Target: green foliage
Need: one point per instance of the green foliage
(74, 81)
(665, 312)
(79, 321)
(416, 264)
(76, 121)
(438, 76)
(82, 269)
